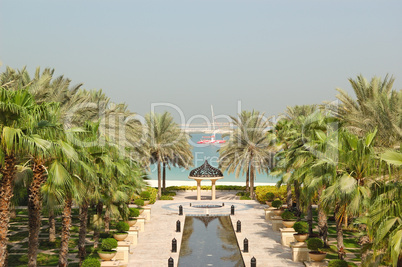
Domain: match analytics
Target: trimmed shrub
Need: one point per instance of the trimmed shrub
(109, 244)
(91, 262)
(337, 263)
(169, 193)
(134, 212)
(315, 244)
(122, 227)
(105, 235)
(139, 202)
(166, 197)
(287, 215)
(205, 187)
(154, 194)
(277, 204)
(280, 193)
(145, 195)
(270, 196)
(301, 227)
(245, 197)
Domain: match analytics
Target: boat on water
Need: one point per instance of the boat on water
(210, 140)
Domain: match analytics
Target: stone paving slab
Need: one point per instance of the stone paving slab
(154, 244)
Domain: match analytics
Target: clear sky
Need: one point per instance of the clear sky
(266, 54)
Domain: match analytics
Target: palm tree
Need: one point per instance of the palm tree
(377, 106)
(181, 156)
(15, 107)
(248, 147)
(163, 138)
(349, 190)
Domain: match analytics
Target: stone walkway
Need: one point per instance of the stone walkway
(154, 245)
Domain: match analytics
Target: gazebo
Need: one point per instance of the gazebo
(205, 172)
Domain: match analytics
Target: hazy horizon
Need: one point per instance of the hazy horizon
(193, 54)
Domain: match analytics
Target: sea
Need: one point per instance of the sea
(202, 152)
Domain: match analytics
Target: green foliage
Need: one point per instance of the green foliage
(245, 197)
(277, 204)
(42, 259)
(145, 195)
(163, 197)
(270, 196)
(139, 202)
(91, 262)
(218, 187)
(134, 212)
(315, 244)
(243, 194)
(288, 215)
(122, 227)
(261, 192)
(105, 235)
(154, 194)
(337, 263)
(301, 227)
(109, 244)
(169, 193)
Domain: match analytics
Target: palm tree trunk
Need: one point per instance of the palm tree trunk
(65, 234)
(297, 196)
(339, 233)
(289, 195)
(107, 221)
(322, 221)
(159, 179)
(6, 193)
(83, 231)
(164, 176)
(251, 182)
(34, 210)
(248, 180)
(99, 209)
(52, 226)
(310, 218)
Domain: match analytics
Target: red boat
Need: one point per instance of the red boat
(211, 140)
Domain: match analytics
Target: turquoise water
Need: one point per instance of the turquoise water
(202, 152)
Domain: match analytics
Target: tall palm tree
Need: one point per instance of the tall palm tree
(163, 138)
(349, 191)
(248, 147)
(181, 156)
(16, 107)
(377, 106)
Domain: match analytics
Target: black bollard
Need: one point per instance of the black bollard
(253, 262)
(174, 245)
(238, 228)
(170, 262)
(190, 204)
(180, 210)
(232, 210)
(223, 204)
(245, 245)
(178, 226)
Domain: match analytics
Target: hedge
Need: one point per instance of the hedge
(261, 192)
(218, 187)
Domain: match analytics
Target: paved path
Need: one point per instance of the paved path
(154, 245)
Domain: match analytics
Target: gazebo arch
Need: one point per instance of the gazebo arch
(205, 172)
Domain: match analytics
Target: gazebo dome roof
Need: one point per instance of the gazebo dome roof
(206, 170)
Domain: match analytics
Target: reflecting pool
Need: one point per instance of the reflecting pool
(209, 241)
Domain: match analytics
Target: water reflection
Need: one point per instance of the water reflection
(209, 241)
